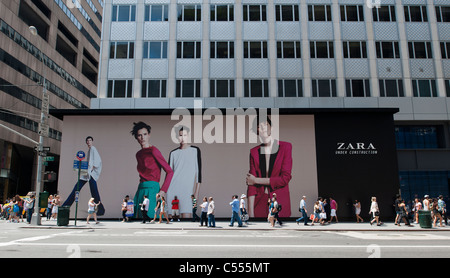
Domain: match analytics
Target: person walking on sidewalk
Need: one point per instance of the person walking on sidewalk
(235, 209)
(334, 207)
(92, 207)
(417, 207)
(375, 212)
(211, 208)
(357, 206)
(194, 209)
(145, 207)
(302, 209)
(204, 215)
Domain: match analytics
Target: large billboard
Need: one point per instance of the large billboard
(221, 153)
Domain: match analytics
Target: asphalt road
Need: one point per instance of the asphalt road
(16, 241)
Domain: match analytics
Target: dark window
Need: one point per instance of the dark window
(424, 88)
(387, 50)
(352, 13)
(254, 13)
(355, 50)
(290, 88)
(286, 13)
(222, 12)
(153, 88)
(416, 14)
(255, 50)
(319, 13)
(391, 88)
(288, 49)
(357, 88)
(420, 50)
(323, 88)
(221, 88)
(321, 49)
(187, 88)
(156, 13)
(384, 13)
(443, 14)
(256, 88)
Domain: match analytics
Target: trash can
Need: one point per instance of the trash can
(43, 199)
(425, 219)
(63, 216)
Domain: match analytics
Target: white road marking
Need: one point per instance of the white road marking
(392, 236)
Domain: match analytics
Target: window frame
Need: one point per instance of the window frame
(213, 88)
(295, 12)
(145, 90)
(248, 50)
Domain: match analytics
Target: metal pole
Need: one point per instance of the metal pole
(77, 193)
(36, 219)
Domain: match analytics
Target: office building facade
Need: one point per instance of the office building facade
(291, 54)
(62, 54)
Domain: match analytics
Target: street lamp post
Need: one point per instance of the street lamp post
(43, 131)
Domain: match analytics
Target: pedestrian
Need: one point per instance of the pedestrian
(426, 202)
(194, 209)
(278, 208)
(211, 209)
(442, 207)
(243, 208)
(20, 203)
(235, 210)
(157, 208)
(417, 208)
(163, 211)
(272, 212)
(334, 208)
(175, 209)
(397, 209)
(375, 212)
(125, 210)
(13, 211)
(144, 208)
(49, 206)
(357, 206)
(317, 211)
(302, 209)
(204, 215)
(55, 204)
(403, 214)
(29, 205)
(92, 207)
(436, 212)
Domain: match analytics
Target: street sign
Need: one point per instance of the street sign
(84, 165)
(49, 158)
(43, 129)
(45, 103)
(81, 155)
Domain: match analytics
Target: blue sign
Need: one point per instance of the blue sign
(81, 155)
(84, 165)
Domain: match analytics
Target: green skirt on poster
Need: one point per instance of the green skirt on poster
(150, 189)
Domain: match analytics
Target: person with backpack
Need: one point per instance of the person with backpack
(278, 208)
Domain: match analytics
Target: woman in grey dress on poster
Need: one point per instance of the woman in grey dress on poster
(186, 163)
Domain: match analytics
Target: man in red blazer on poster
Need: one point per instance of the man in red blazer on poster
(270, 172)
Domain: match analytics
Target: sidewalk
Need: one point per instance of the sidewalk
(224, 225)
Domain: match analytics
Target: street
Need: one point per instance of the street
(187, 240)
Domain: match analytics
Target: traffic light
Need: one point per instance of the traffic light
(49, 176)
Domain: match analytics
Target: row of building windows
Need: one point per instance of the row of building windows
(225, 12)
(285, 49)
(155, 88)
